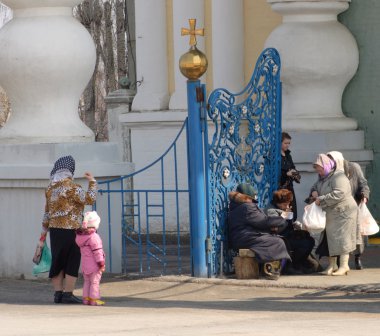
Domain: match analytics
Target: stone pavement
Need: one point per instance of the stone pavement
(365, 281)
(181, 305)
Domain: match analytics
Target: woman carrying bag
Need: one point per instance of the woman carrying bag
(65, 201)
(332, 192)
(360, 191)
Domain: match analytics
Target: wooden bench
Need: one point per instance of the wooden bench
(246, 265)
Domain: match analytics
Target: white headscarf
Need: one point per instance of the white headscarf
(61, 175)
(339, 160)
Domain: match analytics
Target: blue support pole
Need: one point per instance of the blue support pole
(197, 198)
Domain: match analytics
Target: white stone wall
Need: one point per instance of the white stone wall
(151, 135)
(24, 175)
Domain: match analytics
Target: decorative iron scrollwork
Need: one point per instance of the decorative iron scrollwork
(244, 147)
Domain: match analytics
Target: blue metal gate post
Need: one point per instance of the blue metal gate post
(197, 188)
(193, 65)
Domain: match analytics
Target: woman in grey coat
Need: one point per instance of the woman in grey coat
(360, 192)
(332, 192)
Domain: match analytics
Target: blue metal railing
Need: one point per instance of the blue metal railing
(146, 214)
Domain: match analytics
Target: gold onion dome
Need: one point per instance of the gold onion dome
(193, 64)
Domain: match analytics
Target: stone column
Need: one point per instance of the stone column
(227, 44)
(118, 103)
(151, 44)
(44, 71)
(319, 56)
(46, 60)
(183, 10)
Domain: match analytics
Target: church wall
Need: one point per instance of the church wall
(361, 99)
(208, 44)
(259, 22)
(170, 45)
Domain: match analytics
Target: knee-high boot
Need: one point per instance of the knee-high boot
(343, 268)
(331, 267)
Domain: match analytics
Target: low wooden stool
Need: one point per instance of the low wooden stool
(246, 265)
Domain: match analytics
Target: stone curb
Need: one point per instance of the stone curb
(357, 288)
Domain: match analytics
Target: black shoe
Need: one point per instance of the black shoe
(290, 270)
(358, 263)
(311, 265)
(69, 297)
(58, 297)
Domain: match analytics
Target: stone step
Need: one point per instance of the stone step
(171, 258)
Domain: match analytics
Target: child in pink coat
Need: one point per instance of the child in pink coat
(93, 259)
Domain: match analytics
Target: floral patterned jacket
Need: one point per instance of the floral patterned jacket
(65, 201)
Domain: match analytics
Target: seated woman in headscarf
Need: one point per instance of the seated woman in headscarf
(299, 242)
(250, 228)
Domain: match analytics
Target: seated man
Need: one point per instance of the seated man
(250, 228)
(299, 242)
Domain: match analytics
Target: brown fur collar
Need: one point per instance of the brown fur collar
(239, 198)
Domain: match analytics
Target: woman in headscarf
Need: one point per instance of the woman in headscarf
(332, 192)
(65, 201)
(250, 228)
(360, 191)
(300, 243)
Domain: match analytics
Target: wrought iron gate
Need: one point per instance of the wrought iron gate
(148, 244)
(244, 147)
(242, 139)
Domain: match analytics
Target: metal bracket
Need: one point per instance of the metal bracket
(200, 95)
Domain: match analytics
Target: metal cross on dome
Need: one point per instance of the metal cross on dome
(192, 32)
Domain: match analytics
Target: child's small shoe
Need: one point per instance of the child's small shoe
(86, 300)
(96, 302)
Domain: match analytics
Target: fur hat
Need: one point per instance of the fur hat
(91, 220)
(248, 190)
(282, 196)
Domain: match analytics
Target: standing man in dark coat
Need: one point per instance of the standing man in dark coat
(289, 172)
(251, 228)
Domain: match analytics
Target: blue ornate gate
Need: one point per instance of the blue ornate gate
(242, 138)
(244, 147)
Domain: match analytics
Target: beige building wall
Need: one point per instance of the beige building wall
(259, 22)
(170, 46)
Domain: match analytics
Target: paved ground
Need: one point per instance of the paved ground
(294, 305)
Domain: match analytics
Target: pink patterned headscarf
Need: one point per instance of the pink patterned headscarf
(325, 162)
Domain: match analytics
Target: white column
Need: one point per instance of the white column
(151, 54)
(183, 10)
(319, 56)
(227, 44)
(47, 58)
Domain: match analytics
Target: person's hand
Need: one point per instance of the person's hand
(317, 201)
(297, 225)
(314, 194)
(102, 268)
(89, 176)
(273, 229)
(42, 238)
(364, 199)
(284, 214)
(291, 172)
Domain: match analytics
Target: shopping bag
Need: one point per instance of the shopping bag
(314, 218)
(368, 225)
(37, 254)
(45, 261)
